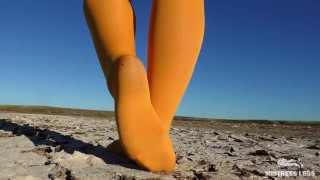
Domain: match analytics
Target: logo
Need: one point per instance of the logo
(284, 164)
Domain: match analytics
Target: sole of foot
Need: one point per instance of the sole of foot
(142, 135)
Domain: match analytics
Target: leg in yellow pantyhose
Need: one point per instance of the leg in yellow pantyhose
(111, 24)
(142, 134)
(175, 37)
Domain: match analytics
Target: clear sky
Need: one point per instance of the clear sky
(260, 59)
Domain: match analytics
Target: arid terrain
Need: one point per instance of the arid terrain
(58, 143)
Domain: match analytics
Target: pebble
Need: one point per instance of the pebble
(183, 160)
(239, 138)
(211, 168)
(259, 152)
(223, 137)
(206, 176)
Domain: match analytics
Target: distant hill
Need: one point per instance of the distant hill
(55, 111)
(98, 113)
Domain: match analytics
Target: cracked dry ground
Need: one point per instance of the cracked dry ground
(34, 146)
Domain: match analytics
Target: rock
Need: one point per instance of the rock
(110, 138)
(248, 163)
(211, 168)
(177, 175)
(5, 134)
(259, 153)
(230, 151)
(197, 172)
(116, 176)
(215, 133)
(317, 153)
(223, 137)
(240, 172)
(272, 158)
(206, 176)
(56, 172)
(184, 175)
(193, 158)
(57, 148)
(266, 138)
(289, 142)
(42, 150)
(238, 138)
(176, 129)
(316, 145)
(203, 162)
(191, 154)
(183, 160)
(124, 177)
(257, 172)
(230, 154)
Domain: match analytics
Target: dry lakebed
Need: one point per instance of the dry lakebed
(42, 146)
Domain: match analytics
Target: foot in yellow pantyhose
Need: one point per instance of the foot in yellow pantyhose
(142, 134)
(116, 148)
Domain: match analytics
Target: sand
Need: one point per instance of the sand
(36, 146)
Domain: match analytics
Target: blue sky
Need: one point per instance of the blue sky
(259, 60)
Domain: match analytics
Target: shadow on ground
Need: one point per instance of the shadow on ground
(57, 142)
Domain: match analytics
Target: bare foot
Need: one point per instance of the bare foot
(142, 134)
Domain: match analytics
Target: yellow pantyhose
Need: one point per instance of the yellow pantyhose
(175, 38)
(142, 134)
(145, 105)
